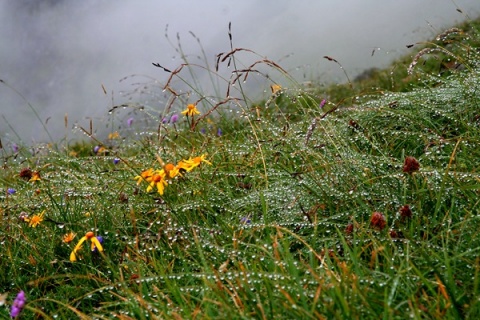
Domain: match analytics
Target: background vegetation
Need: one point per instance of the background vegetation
(358, 201)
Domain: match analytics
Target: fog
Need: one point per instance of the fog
(60, 57)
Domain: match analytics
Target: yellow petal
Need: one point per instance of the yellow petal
(97, 243)
(73, 258)
(79, 244)
(77, 247)
(160, 187)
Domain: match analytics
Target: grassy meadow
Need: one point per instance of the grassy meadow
(355, 201)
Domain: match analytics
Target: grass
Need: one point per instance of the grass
(305, 212)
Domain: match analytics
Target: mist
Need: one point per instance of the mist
(79, 58)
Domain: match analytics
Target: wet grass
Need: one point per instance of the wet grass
(362, 207)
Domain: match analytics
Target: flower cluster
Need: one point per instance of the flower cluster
(29, 175)
(158, 178)
(18, 304)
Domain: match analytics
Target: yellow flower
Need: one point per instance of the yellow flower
(202, 158)
(113, 135)
(190, 164)
(67, 238)
(88, 236)
(35, 220)
(275, 88)
(171, 171)
(158, 181)
(35, 176)
(184, 165)
(145, 175)
(156, 178)
(191, 110)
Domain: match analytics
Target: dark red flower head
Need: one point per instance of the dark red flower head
(349, 228)
(378, 221)
(26, 173)
(410, 165)
(405, 211)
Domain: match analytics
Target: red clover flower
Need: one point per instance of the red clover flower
(378, 221)
(410, 165)
(405, 212)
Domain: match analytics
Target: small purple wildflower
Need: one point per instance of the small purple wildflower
(203, 130)
(116, 161)
(164, 120)
(96, 149)
(322, 103)
(18, 304)
(219, 132)
(11, 191)
(174, 118)
(246, 220)
(130, 121)
(15, 147)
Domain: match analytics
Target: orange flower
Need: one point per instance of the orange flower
(67, 238)
(35, 220)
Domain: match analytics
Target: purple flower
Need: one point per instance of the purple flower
(116, 161)
(96, 149)
(203, 130)
(164, 120)
(18, 304)
(174, 118)
(11, 191)
(246, 220)
(219, 132)
(15, 147)
(130, 121)
(322, 103)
